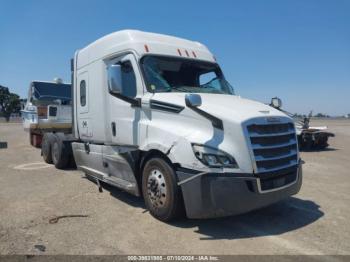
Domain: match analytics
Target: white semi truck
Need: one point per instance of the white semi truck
(154, 115)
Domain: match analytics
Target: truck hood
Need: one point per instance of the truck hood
(225, 107)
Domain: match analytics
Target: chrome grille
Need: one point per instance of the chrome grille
(274, 146)
(270, 129)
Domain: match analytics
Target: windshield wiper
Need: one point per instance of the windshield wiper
(179, 88)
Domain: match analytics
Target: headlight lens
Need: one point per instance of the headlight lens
(213, 157)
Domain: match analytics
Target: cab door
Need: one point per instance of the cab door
(84, 123)
(123, 117)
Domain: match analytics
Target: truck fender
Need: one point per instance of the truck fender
(165, 149)
(178, 151)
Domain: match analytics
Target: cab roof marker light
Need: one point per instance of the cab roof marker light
(146, 48)
(188, 55)
(179, 51)
(194, 54)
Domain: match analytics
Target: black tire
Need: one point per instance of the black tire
(170, 206)
(46, 147)
(59, 153)
(31, 138)
(72, 163)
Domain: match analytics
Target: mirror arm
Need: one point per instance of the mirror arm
(216, 122)
(135, 102)
(278, 108)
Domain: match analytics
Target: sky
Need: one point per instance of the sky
(298, 50)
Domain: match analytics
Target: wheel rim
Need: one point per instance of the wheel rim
(156, 188)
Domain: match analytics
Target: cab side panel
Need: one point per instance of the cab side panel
(90, 103)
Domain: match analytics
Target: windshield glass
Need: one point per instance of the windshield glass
(171, 74)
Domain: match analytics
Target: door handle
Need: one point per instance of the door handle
(114, 130)
(87, 148)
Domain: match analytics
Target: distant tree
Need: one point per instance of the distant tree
(320, 115)
(9, 103)
(296, 115)
(300, 115)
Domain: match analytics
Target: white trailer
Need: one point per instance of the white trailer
(154, 116)
(48, 108)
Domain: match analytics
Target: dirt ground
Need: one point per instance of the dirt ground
(315, 221)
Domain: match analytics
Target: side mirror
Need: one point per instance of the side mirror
(114, 79)
(276, 102)
(193, 100)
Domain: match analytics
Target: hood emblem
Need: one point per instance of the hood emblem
(265, 111)
(273, 119)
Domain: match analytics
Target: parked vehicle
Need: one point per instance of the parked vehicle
(309, 137)
(312, 137)
(155, 116)
(48, 108)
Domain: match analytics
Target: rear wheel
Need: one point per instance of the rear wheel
(46, 147)
(160, 190)
(59, 153)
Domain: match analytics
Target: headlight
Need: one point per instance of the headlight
(213, 157)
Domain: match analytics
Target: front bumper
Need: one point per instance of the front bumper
(217, 195)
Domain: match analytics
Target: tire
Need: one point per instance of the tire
(59, 153)
(46, 147)
(31, 139)
(71, 162)
(162, 195)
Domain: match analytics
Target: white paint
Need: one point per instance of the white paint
(146, 128)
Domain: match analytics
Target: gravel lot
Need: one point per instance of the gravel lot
(316, 221)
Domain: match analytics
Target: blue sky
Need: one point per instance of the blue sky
(298, 50)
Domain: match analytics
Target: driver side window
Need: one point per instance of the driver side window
(128, 79)
(210, 80)
(206, 77)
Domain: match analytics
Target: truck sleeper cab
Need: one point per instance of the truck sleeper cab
(154, 116)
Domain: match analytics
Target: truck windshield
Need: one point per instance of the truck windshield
(171, 74)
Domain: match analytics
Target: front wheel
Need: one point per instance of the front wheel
(161, 193)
